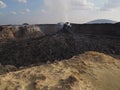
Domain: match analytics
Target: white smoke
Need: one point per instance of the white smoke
(58, 9)
(62, 10)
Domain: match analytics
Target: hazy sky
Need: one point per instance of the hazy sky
(53, 11)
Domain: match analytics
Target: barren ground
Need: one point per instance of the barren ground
(88, 71)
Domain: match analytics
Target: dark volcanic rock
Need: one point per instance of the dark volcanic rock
(55, 47)
(36, 49)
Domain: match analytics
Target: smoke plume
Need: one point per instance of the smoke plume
(57, 9)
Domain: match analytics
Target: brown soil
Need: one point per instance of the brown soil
(88, 71)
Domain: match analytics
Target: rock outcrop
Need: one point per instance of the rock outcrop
(20, 32)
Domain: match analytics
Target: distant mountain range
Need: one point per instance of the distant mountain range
(98, 21)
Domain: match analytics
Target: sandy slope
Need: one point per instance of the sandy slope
(88, 71)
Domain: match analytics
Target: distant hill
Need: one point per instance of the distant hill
(101, 21)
